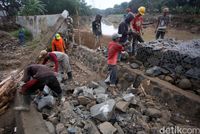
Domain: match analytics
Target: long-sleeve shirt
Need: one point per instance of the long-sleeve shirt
(113, 49)
(36, 71)
(58, 45)
(55, 57)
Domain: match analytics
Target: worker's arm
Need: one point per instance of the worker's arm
(45, 60)
(26, 76)
(55, 60)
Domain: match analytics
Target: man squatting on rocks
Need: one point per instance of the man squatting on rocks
(61, 61)
(113, 50)
(35, 77)
(162, 24)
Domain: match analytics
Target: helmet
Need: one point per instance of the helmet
(166, 10)
(42, 53)
(57, 36)
(141, 10)
(115, 36)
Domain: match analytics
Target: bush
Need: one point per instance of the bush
(27, 33)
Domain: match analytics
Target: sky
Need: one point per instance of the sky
(103, 4)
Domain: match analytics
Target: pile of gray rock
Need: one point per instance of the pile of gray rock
(92, 109)
(175, 59)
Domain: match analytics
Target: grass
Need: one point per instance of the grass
(27, 33)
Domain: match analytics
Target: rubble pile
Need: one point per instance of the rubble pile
(93, 109)
(173, 61)
(10, 53)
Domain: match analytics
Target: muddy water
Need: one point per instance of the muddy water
(150, 35)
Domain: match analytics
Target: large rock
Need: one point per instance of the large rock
(185, 84)
(99, 90)
(128, 97)
(84, 100)
(60, 128)
(122, 105)
(93, 85)
(154, 71)
(103, 111)
(107, 128)
(152, 112)
(134, 66)
(50, 127)
(91, 128)
(101, 98)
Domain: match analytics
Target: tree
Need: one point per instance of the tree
(11, 7)
(32, 7)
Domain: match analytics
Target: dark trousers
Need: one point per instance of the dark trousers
(33, 85)
(160, 34)
(112, 69)
(135, 38)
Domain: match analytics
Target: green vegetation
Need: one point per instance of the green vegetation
(27, 33)
(155, 6)
(32, 7)
(38, 7)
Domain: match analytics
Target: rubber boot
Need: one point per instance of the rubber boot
(69, 74)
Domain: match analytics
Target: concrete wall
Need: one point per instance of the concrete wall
(37, 24)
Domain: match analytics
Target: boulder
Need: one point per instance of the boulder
(134, 66)
(60, 128)
(99, 90)
(101, 98)
(128, 97)
(107, 128)
(122, 105)
(50, 127)
(152, 112)
(185, 84)
(154, 71)
(93, 85)
(91, 128)
(103, 111)
(84, 100)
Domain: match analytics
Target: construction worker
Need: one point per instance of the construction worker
(96, 29)
(70, 30)
(136, 27)
(58, 44)
(162, 24)
(114, 48)
(35, 77)
(61, 61)
(21, 36)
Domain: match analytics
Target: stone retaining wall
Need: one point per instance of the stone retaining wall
(174, 97)
(181, 59)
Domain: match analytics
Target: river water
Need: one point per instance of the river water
(149, 34)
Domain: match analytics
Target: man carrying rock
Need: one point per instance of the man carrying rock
(35, 77)
(113, 49)
(61, 61)
(162, 24)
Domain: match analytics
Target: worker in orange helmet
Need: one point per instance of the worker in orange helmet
(58, 44)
